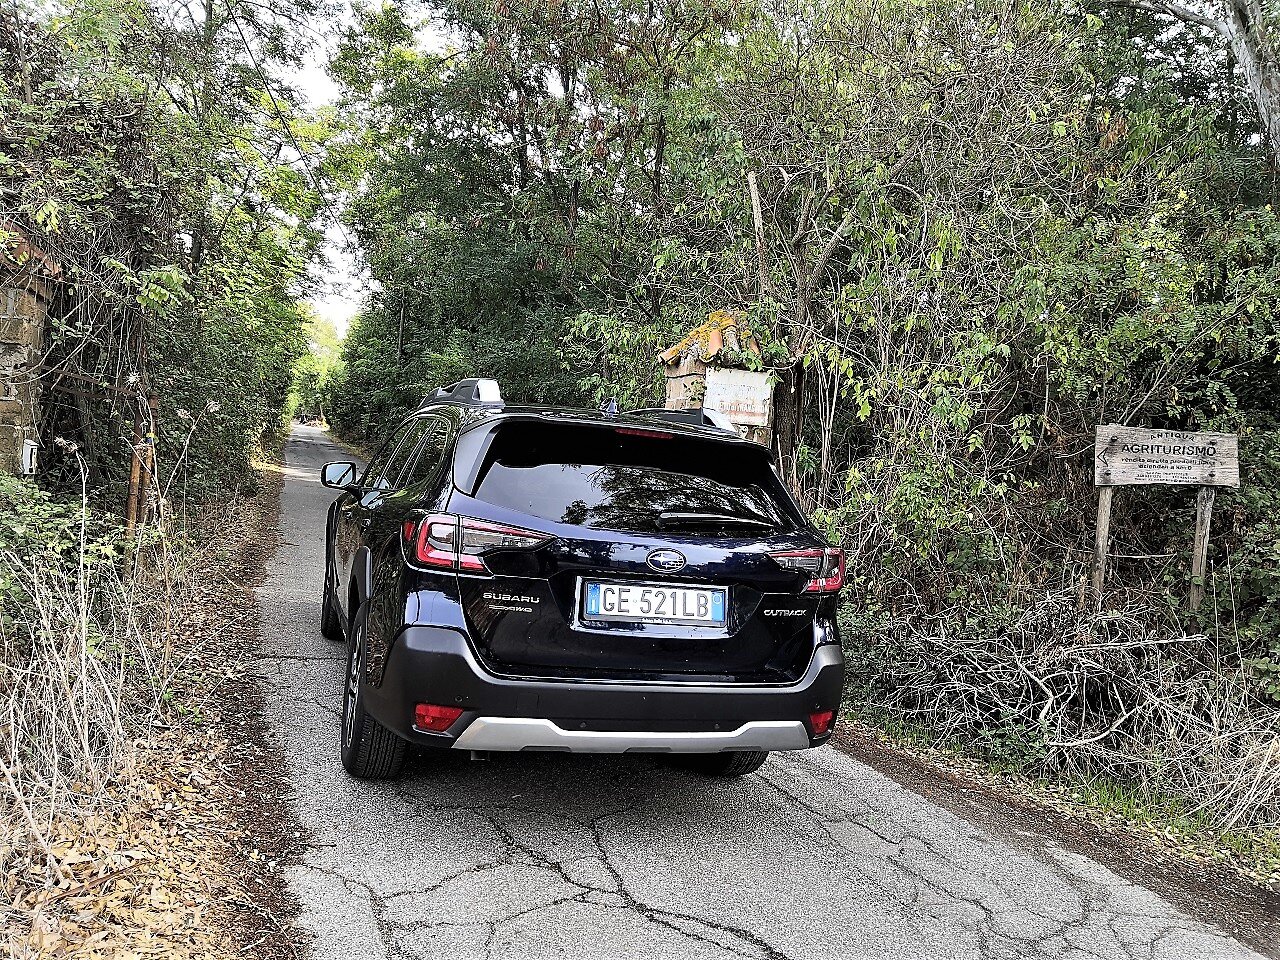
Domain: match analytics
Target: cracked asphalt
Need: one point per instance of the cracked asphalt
(531, 856)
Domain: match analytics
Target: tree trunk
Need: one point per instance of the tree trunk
(1246, 30)
(788, 421)
(789, 396)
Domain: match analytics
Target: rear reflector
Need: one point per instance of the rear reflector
(821, 722)
(430, 716)
(824, 567)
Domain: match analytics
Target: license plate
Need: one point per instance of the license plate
(641, 603)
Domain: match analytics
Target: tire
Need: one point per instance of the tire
(734, 764)
(330, 621)
(369, 750)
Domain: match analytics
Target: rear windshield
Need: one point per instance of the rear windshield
(634, 479)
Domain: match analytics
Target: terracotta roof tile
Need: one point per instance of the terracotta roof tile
(19, 254)
(723, 329)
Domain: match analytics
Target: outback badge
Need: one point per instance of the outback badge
(665, 561)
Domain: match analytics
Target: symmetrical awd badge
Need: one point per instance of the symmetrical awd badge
(665, 561)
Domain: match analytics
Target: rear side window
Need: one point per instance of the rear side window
(429, 456)
(376, 468)
(631, 479)
(406, 440)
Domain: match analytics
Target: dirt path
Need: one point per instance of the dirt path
(817, 856)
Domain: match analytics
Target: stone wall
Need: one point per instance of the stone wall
(25, 291)
(686, 383)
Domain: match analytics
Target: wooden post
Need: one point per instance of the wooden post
(754, 190)
(1101, 540)
(135, 478)
(400, 332)
(1200, 546)
(146, 481)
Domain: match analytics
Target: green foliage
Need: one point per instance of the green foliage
(314, 372)
(513, 221)
(624, 367)
(40, 530)
(146, 155)
(1249, 599)
(34, 524)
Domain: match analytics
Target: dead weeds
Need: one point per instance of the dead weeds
(182, 856)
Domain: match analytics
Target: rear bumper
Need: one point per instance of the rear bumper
(436, 665)
(524, 733)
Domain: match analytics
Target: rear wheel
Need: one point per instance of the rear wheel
(369, 750)
(736, 764)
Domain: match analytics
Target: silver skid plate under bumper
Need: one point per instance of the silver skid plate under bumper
(522, 733)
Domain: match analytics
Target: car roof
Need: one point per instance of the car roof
(471, 417)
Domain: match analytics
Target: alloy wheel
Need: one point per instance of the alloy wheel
(352, 697)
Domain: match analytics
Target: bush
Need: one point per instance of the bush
(1055, 688)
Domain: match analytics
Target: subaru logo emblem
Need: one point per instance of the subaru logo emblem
(665, 561)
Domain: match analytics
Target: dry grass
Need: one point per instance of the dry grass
(136, 871)
(1075, 695)
(85, 668)
(122, 831)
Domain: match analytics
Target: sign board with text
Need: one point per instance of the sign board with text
(744, 396)
(1125, 456)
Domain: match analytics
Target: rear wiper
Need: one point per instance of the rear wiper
(675, 518)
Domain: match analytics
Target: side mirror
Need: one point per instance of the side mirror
(339, 476)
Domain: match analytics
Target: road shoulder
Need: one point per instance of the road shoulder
(1209, 892)
(260, 924)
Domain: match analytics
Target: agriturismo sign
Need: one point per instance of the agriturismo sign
(1134, 455)
(1131, 456)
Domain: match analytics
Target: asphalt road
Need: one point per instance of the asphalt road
(522, 856)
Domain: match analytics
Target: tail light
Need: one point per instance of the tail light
(824, 567)
(447, 542)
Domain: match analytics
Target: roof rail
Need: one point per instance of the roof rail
(701, 417)
(472, 392)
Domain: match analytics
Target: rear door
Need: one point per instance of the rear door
(405, 479)
(663, 561)
(357, 516)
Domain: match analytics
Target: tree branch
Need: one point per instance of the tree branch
(1178, 12)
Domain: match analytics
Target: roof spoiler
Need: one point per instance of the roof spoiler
(701, 417)
(472, 392)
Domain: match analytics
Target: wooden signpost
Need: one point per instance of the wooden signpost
(1129, 456)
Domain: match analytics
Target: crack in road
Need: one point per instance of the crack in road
(538, 855)
(513, 847)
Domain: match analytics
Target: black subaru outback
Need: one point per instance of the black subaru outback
(532, 578)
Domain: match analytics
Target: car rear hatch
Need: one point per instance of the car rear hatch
(630, 552)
